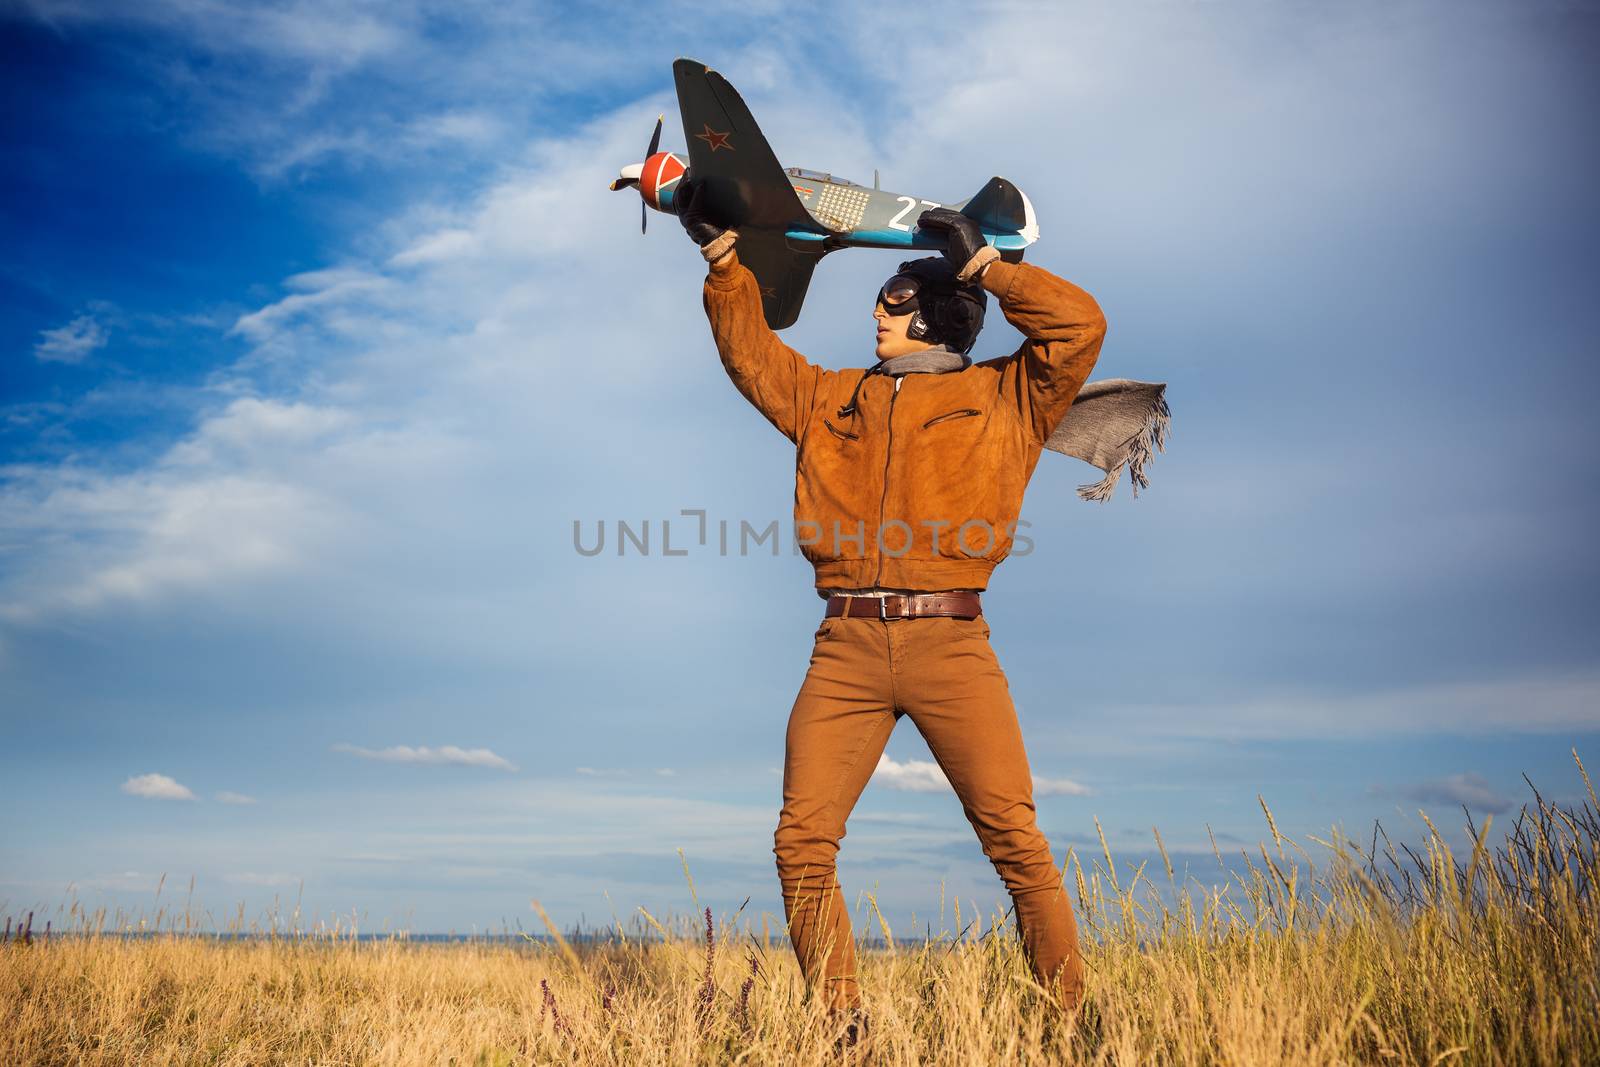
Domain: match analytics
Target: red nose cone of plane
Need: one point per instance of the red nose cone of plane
(661, 172)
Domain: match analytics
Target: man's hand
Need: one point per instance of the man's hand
(965, 247)
(691, 203)
(714, 239)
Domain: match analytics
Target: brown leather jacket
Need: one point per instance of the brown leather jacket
(920, 486)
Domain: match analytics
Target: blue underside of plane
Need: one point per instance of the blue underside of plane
(885, 238)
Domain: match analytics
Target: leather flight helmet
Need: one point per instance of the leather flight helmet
(943, 310)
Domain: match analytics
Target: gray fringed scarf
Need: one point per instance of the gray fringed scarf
(1112, 423)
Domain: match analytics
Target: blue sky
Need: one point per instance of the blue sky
(321, 330)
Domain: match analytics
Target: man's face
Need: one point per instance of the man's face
(892, 339)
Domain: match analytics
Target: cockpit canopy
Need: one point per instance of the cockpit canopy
(817, 176)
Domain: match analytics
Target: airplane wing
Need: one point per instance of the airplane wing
(745, 184)
(782, 272)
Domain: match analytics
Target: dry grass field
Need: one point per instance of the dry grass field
(1382, 956)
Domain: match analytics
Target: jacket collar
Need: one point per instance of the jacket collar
(936, 360)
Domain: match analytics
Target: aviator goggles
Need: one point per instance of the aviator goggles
(899, 294)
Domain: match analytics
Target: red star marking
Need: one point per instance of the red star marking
(714, 139)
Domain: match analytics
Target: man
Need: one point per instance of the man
(909, 478)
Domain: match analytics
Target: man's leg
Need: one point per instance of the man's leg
(838, 727)
(949, 682)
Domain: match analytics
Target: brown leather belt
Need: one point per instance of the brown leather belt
(903, 606)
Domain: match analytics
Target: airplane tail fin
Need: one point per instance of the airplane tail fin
(1001, 206)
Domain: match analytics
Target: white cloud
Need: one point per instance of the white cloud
(925, 776)
(72, 342)
(620, 772)
(434, 247)
(471, 127)
(269, 880)
(108, 538)
(252, 429)
(1538, 705)
(119, 881)
(912, 776)
(1469, 788)
(228, 797)
(446, 754)
(1065, 787)
(315, 291)
(156, 787)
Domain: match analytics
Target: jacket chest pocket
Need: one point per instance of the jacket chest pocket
(843, 435)
(959, 413)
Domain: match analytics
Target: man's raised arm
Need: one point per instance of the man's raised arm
(1063, 326)
(779, 381)
(1062, 323)
(771, 375)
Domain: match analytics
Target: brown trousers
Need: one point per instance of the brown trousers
(865, 673)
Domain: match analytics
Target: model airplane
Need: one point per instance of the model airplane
(789, 218)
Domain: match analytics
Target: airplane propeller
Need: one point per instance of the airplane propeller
(628, 177)
(655, 141)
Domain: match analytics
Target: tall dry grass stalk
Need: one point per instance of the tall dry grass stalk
(1422, 959)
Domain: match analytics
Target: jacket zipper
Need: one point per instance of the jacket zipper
(883, 501)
